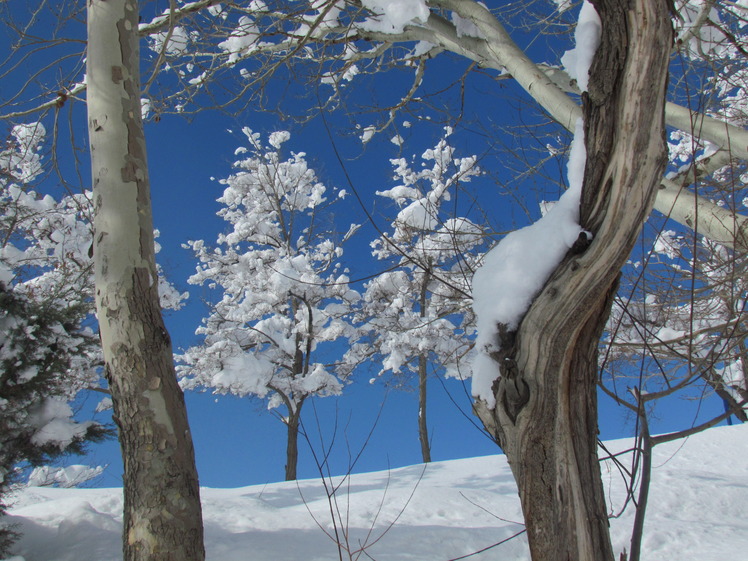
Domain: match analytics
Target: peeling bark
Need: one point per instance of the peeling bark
(162, 514)
(550, 437)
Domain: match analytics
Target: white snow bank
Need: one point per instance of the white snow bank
(697, 511)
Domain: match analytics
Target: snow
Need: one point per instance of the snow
(515, 270)
(23, 163)
(440, 511)
(667, 243)
(54, 419)
(465, 27)
(242, 40)
(391, 16)
(368, 133)
(178, 41)
(577, 61)
(562, 5)
(70, 476)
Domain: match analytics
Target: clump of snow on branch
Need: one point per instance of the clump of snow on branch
(66, 477)
(578, 60)
(242, 40)
(515, 270)
(22, 162)
(368, 133)
(562, 5)
(175, 42)
(391, 16)
(53, 417)
(465, 27)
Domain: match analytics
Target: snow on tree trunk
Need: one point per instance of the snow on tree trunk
(545, 416)
(162, 517)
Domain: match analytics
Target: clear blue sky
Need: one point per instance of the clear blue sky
(237, 441)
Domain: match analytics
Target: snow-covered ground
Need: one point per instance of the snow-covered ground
(449, 509)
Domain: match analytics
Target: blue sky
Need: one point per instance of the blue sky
(237, 441)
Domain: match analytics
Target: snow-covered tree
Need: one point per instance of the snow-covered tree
(417, 313)
(284, 297)
(47, 355)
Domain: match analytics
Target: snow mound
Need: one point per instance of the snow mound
(438, 512)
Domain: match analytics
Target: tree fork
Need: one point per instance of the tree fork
(551, 442)
(162, 513)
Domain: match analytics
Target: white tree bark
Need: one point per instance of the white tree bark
(701, 215)
(162, 517)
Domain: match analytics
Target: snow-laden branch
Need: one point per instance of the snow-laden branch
(491, 46)
(727, 136)
(680, 204)
(171, 17)
(498, 51)
(702, 215)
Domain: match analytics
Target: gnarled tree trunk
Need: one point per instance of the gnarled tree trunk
(545, 416)
(162, 516)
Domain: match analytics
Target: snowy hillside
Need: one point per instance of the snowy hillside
(697, 511)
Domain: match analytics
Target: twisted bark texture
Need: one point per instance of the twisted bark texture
(550, 434)
(162, 514)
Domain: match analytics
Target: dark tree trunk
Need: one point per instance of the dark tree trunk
(292, 442)
(423, 429)
(162, 514)
(637, 533)
(546, 413)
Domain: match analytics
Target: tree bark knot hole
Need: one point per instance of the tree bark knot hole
(511, 390)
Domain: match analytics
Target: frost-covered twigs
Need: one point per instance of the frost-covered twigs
(684, 323)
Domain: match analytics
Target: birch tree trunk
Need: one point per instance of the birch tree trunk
(546, 402)
(162, 514)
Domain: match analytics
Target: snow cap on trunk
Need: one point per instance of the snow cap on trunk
(516, 269)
